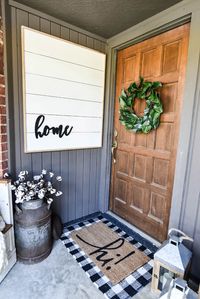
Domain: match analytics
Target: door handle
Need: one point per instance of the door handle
(114, 146)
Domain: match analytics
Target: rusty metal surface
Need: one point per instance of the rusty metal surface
(33, 233)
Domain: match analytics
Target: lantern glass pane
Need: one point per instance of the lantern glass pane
(164, 275)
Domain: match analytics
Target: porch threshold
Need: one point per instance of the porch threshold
(135, 229)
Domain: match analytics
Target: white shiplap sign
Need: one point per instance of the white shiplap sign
(63, 90)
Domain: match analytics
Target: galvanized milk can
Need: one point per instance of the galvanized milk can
(33, 231)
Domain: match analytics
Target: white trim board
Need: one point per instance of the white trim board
(63, 93)
(135, 229)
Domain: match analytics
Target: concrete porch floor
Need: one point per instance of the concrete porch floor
(57, 277)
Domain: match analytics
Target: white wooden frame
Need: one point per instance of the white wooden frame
(64, 82)
(6, 209)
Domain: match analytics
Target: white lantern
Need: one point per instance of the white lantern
(177, 289)
(171, 260)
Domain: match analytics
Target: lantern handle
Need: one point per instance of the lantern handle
(186, 238)
(183, 237)
(177, 231)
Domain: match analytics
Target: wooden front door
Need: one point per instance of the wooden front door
(143, 172)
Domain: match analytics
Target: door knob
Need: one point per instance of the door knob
(114, 146)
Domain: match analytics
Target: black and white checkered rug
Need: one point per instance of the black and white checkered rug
(128, 287)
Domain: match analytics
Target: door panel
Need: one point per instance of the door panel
(143, 175)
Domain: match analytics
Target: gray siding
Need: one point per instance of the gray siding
(190, 209)
(80, 169)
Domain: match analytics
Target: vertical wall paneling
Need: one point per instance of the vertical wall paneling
(190, 212)
(80, 169)
(196, 237)
(15, 87)
(22, 19)
(34, 22)
(55, 30)
(82, 39)
(65, 206)
(73, 36)
(45, 26)
(64, 33)
(74, 184)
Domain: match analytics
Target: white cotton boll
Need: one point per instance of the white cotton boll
(52, 191)
(21, 188)
(13, 187)
(41, 194)
(22, 173)
(58, 193)
(49, 200)
(29, 184)
(32, 186)
(51, 174)
(21, 178)
(44, 171)
(6, 175)
(19, 200)
(36, 177)
(20, 193)
(59, 178)
(31, 193)
(28, 198)
(40, 185)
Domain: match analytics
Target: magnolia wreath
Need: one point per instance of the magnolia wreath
(151, 118)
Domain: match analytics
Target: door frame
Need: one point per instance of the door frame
(179, 14)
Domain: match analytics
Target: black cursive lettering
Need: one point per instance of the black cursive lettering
(38, 123)
(102, 251)
(46, 130)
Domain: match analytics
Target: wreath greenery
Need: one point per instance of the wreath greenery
(151, 118)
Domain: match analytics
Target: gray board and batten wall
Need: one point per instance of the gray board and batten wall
(86, 173)
(80, 169)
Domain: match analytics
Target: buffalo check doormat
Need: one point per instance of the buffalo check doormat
(129, 285)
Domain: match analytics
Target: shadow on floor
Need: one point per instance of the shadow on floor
(57, 277)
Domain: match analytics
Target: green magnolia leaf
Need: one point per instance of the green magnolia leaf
(123, 94)
(141, 81)
(122, 103)
(129, 101)
(156, 84)
(156, 118)
(146, 86)
(146, 129)
(146, 111)
(158, 109)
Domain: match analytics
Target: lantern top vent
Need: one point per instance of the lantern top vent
(173, 253)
